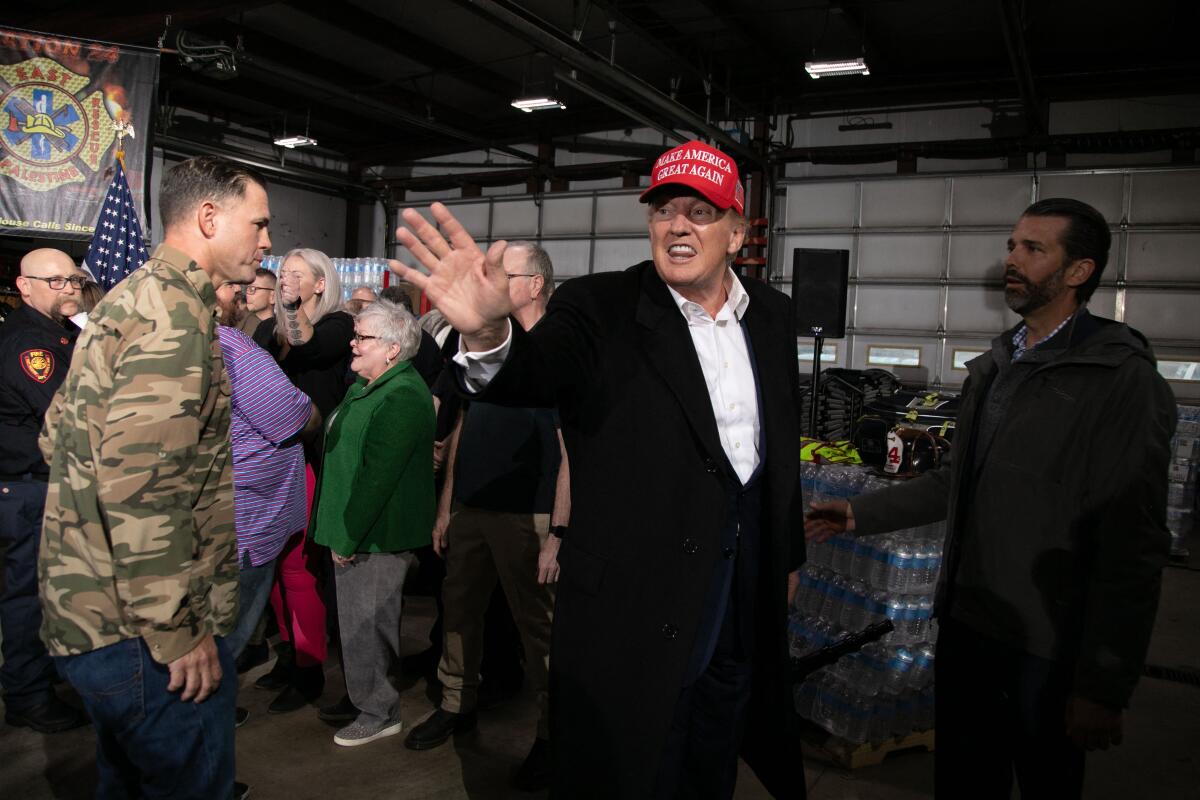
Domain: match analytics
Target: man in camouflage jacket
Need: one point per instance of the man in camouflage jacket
(137, 567)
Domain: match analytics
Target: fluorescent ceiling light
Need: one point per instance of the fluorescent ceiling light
(531, 104)
(827, 69)
(292, 142)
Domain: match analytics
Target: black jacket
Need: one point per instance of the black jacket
(1057, 526)
(35, 352)
(648, 502)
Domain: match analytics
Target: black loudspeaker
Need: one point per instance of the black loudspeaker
(820, 279)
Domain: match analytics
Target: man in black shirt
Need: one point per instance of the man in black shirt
(507, 477)
(35, 349)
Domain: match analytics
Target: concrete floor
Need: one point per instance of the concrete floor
(293, 757)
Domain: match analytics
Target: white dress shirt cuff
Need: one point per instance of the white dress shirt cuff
(480, 367)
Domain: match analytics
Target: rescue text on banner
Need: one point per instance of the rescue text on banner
(62, 103)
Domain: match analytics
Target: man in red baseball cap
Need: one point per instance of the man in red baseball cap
(677, 388)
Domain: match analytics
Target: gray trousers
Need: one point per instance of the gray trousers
(369, 603)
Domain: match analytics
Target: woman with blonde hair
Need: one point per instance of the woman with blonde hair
(311, 342)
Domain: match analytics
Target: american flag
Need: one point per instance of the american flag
(117, 248)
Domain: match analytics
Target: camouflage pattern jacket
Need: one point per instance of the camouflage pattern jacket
(138, 538)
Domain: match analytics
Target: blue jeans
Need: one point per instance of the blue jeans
(254, 590)
(26, 664)
(149, 744)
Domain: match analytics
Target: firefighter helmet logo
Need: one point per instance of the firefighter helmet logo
(49, 134)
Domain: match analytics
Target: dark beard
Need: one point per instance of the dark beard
(231, 316)
(1035, 295)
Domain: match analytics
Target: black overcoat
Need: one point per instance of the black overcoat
(649, 484)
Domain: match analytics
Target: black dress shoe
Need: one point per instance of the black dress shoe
(240, 715)
(252, 656)
(341, 711)
(534, 774)
(306, 686)
(438, 728)
(52, 716)
(240, 791)
(278, 677)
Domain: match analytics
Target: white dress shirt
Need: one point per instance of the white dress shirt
(724, 359)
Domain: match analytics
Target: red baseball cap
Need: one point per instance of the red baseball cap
(701, 167)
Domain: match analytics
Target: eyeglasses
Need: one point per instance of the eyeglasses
(58, 283)
(362, 337)
(511, 275)
(252, 289)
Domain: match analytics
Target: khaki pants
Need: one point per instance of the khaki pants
(484, 546)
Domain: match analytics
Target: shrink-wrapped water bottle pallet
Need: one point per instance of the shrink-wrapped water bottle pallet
(824, 746)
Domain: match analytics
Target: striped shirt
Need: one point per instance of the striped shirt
(268, 477)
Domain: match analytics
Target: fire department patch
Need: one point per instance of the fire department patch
(38, 364)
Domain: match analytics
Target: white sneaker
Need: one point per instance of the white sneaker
(357, 733)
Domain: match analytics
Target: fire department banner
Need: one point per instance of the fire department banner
(63, 103)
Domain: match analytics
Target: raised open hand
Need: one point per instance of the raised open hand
(467, 285)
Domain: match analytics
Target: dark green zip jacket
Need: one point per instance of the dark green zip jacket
(1057, 525)
(375, 492)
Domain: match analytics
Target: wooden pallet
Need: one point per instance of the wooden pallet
(826, 747)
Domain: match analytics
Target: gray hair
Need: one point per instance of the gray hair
(433, 322)
(537, 262)
(321, 267)
(394, 325)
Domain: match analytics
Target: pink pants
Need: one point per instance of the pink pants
(295, 595)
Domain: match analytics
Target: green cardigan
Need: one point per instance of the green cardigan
(375, 494)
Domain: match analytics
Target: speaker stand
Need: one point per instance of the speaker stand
(818, 340)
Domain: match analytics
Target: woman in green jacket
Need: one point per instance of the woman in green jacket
(374, 505)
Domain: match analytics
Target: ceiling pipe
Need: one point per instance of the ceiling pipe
(309, 178)
(339, 95)
(563, 47)
(1018, 56)
(617, 105)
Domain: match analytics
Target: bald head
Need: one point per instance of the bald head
(47, 261)
(360, 298)
(40, 270)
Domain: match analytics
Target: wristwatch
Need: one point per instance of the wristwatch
(558, 530)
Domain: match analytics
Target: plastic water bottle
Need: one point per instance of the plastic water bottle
(922, 668)
(831, 608)
(843, 554)
(808, 480)
(896, 609)
(860, 565)
(879, 562)
(899, 664)
(854, 606)
(804, 695)
(858, 718)
(879, 729)
(899, 567)
(871, 665)
(924, 617)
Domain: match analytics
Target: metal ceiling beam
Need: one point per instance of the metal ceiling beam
(514, 18)
(638, 28)
(307, 177)
(340, 95)
(1110, 142)
(1018, 56)
(390, 36)
(608, 147)
(143, 26)
(617, 105)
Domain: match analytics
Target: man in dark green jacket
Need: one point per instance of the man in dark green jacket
(1055, 497)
